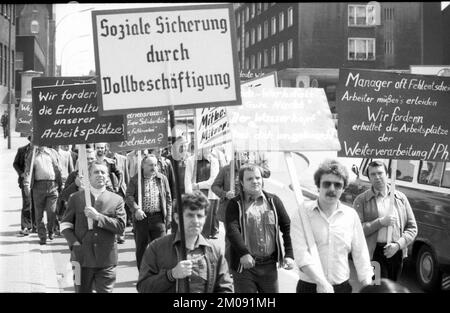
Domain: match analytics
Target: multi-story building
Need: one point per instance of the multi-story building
(307, 43)
(7, 54)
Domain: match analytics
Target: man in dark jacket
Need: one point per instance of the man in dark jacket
(253, 221)
(95, 250)
(27, 215)
(205, 266)
(153, 215)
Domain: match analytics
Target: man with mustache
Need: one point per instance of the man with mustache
(253, 221)
(162, 268)
(337, 232)
(95, 249)
(373, 210)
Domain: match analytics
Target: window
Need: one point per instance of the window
(238, 44)
(13, 72)
(19, 61)
(405, 170)
(281, 21)
(252, 36)
(1, 62)
(358, 15)
(361, 49)
(281, 52)
(259, 33)
(258, 8)
(290, 48)
(259, 60)
(5, 65)
(253, 10)
(247, 13)
(274, 55)
(389, 47)
(430, 173)
(247, 63)
(274, 26)
(290, 16)
(238, 19)
(266, 29)
(247, 39)
(266, 57)
(265, 6)
(388, 14)
(252, 62)
(446, 177)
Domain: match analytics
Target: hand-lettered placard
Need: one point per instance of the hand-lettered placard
(68, 114)
(282, 119)
(213, 128)
(181, 56)
(393, 116)
(146, 130)
(25, 117)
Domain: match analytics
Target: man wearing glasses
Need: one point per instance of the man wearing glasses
(337, 232)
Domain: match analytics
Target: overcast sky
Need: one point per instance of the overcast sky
(74, 41)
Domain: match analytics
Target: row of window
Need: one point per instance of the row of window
(4, 60)
(430, 172)
(8, 10)
(252, 10)
(261, 59)
(364, 15)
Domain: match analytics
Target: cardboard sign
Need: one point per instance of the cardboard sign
(25, 117)
(183, 56)
(268, 80)
(68, 114)
(213, 128)
(393, 116)
(146, 130)
(283, 119)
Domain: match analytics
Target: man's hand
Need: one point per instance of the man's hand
(90, 212)
(324, 287)
(195, 186)
(390, 249)
(79, 181)
(139, 214)
(182, 270)
(388, 220)
(229, 195)
(247, 261)
(289, 263)
(26, 190)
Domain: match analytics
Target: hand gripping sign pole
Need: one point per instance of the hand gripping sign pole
(392, 198)
(139, 172)
(306, 226)
(83, 170)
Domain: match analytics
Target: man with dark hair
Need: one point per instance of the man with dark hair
(337, 232)
(95, 249)
(373, 207)
(205, 266)
(253, 221)
(27, 214)
(153, 216)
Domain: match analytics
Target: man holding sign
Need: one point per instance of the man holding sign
(375, 214)
(95, 249)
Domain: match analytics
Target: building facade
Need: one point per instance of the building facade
(7, 54)
(307, 43)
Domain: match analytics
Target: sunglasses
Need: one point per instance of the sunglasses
(337, 185)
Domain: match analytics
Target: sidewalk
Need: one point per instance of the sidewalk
(26, 266)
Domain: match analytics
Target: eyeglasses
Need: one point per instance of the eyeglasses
(327, 184)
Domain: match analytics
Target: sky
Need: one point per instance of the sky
(74, 41)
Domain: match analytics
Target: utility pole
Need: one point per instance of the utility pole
(11, 12)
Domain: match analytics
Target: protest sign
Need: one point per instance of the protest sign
(393, 116)
(25, 117)
(212, 126)
(282, 119)
(68, 114)
(266, 80)
(145, 130)
(169, 54)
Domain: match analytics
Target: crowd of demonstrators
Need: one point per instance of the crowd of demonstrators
(260, 234)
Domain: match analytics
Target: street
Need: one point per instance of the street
(26, 266)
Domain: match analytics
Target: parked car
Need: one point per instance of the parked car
(427, 186)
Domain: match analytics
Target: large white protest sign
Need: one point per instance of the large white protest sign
(183, 56)
(283, 119)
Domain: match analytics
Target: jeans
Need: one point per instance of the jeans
(262, 278)
(45, 194)
(147, 230)
(101, 280)
(390, 268)
(306, 287)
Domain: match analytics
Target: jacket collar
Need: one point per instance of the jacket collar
(372, 194)
(201, 241)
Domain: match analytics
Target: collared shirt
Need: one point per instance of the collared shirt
(43, 165)
(66, 162)
(97, 192)
(199, 277)
(383, 205)
(260, 227)
(151, 199)
(335, 236)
